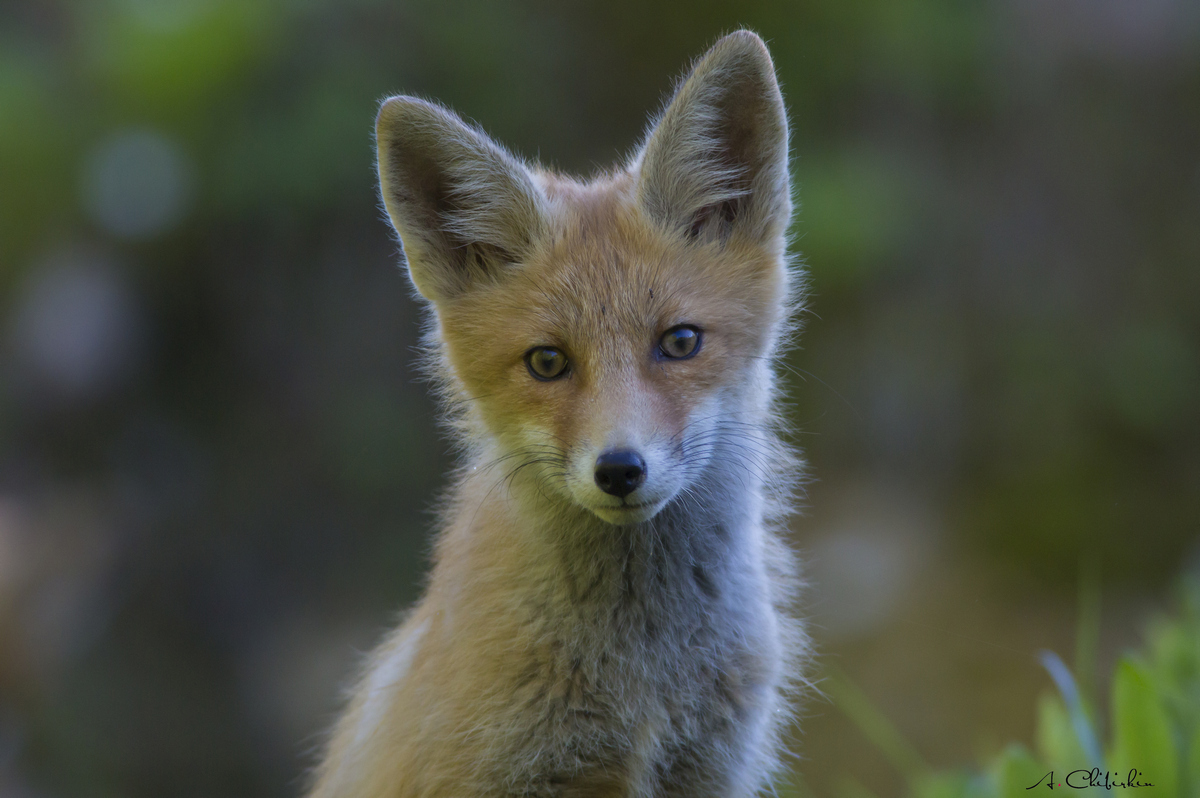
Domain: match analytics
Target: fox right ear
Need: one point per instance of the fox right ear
(465, 209)
(716, 163)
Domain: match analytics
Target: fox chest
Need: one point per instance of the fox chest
(669, 709)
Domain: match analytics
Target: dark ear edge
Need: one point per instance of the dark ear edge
(715, 164)
(465, 209)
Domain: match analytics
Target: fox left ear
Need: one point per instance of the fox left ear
(466, 210)
(715, 166)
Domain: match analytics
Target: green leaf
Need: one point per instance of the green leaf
(1056, 740)
(1081, 724)
(1141, 730)
(952, 784)
(1015, 771)
(1191, 769)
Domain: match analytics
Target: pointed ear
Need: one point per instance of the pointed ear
(465, 209)
(715, 165)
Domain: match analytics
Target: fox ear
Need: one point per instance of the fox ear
(465, 209)
(716, 163)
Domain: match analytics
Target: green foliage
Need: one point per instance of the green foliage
(1142, 734)
(1154, 728)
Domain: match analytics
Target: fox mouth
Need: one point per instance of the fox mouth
(630, 506)
(622, 514)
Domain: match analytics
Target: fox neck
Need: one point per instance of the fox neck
(699, 553)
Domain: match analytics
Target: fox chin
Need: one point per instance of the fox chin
(610, 610)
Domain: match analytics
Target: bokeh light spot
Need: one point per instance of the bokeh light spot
(137, 184)
(77, 326)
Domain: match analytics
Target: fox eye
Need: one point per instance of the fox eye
(680, 342)
(546, 363)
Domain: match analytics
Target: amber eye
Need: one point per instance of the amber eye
(546, 363)
(680, 342)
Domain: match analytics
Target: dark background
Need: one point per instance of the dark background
(217, 458)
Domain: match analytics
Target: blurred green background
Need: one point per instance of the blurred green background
(217, 458)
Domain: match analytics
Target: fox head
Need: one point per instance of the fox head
(611, 339)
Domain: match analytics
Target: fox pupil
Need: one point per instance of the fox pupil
(546, 363)
(680, 342)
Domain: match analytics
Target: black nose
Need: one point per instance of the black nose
(619, 473)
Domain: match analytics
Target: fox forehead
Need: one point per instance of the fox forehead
(604, 283)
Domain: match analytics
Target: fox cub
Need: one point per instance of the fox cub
(609, 610)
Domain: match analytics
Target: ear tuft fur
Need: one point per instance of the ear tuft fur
(716, 163)
(465, 208)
